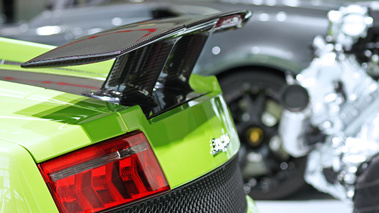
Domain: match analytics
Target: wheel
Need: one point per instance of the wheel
(366, 187)
(253, 98)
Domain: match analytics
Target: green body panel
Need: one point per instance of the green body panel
(51, 123)
(21, 51)
(182, 140)
(251, 206)
(22, 188)
(38, 124)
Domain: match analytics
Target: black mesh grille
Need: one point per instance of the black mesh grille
(219, 191)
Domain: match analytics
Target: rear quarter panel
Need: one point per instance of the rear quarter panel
(22, 188)
(181, 138)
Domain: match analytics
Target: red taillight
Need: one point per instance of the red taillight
(105, 175)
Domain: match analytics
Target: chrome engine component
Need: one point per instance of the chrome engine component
(344, 106)
(348, 24)
(292, 129)
(295, 120)
(349, 116)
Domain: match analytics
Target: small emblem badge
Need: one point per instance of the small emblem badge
(220, 144)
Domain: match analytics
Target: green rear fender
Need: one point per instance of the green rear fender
(22, 188)
(18, 52)
(182, 138)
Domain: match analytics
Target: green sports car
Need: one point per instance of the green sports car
(136, 132)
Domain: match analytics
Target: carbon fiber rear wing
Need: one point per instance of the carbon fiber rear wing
(151, 56)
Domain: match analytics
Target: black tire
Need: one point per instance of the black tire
(366, 199)
(253, 98)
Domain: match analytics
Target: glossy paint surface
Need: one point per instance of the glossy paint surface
(22, 188)
(251, 206)
(50, 123)
(14, 52)
(277, 37)
(182, 140)
(38, 124)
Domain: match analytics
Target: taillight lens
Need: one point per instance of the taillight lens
(104, 175)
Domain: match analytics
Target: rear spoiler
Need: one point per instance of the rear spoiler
(156, 55)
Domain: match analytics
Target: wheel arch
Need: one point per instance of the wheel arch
(240, 60)
(270, 70)
(276, 79)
